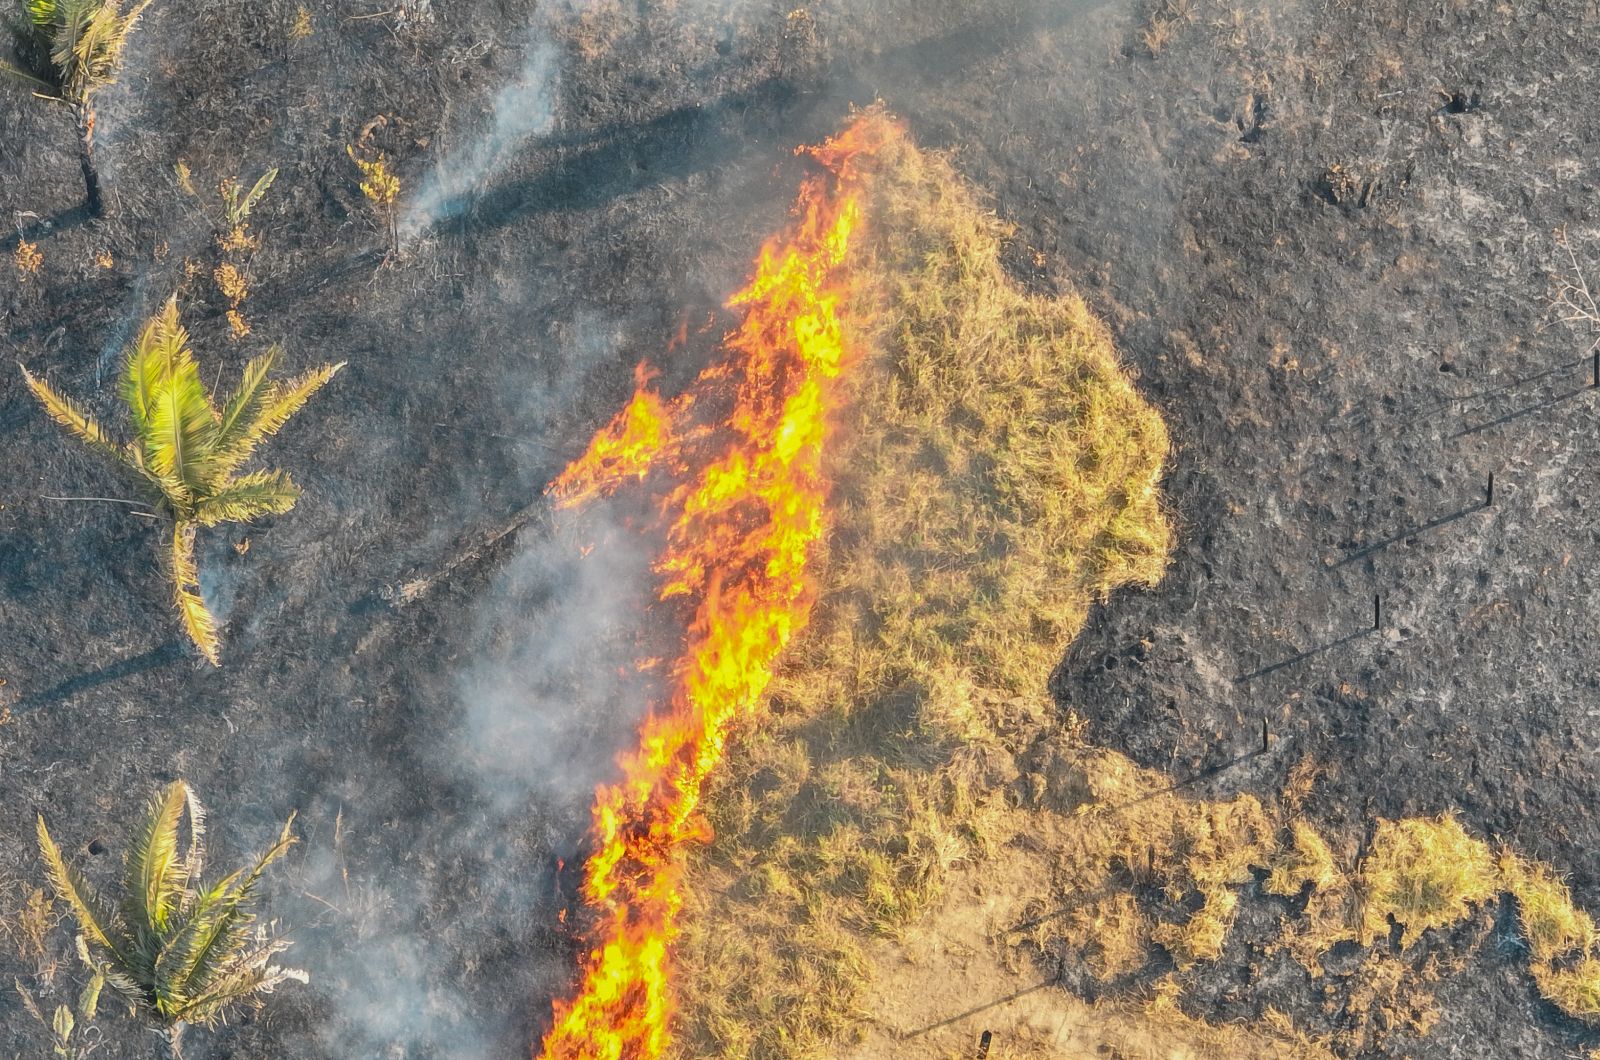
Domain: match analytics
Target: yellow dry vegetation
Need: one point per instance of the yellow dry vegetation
(1424, 873)
(1110, 826)
(1561, 937)
(996, 473)
(1551, 925)
(1306, 859)
(27, 257)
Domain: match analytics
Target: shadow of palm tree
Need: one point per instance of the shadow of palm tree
(155, 658)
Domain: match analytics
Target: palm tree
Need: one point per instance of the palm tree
(179, 951)
(187, 452)
(67, 50)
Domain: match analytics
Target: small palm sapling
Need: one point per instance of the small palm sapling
(187, 452)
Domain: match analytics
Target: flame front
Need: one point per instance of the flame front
(741, 496)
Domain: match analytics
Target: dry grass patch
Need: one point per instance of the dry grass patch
(995, 474)
(1561, 937)
(1551, 924)
(1306, 860)
(1425, 873)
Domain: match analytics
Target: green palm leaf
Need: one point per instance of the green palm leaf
(42, 13)
(37, 82)
(239, 206)
(154, 873)
(183, 952)
(162, 342)
(244, 405)
(66, 52)
(182, 427)
(84, 40)
(247, 497)
(186, 452)
(178, 428)
(220, 926)
(247, 976)
(71, 416)
(195, 938)
(194, 859)
(276, 405)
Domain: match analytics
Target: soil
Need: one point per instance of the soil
(1322, 233)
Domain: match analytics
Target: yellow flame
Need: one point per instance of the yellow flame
(742, 502)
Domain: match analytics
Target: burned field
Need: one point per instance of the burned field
(1324, 240)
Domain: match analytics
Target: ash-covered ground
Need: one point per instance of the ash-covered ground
(1321, 231)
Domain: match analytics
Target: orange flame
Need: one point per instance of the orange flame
(742, 502)
(639, 435)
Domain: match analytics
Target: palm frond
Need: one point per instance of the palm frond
(165, 338)
(72, 19)
(185, 450)
(28, 1002)
(153, 880)
(219, 929)
(88, 38)
(89, 1000)
(280, 401)
(107, 37)
(194, 950)
(95, 920)
(161, 342)
(197, 621)
(130, 19)
(239, 206)
(248, 497)
(172, 413)
(244, 404)
(41, 13)
(244, 977)
(194, 859)
(41, 86)
(71, 416)
(80, 41)
(197, 930)
(178, 441)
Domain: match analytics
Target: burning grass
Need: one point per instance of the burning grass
(993, 473)
(740, 492)
(996, 474)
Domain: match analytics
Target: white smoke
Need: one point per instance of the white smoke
(546, 713)
(523, 108)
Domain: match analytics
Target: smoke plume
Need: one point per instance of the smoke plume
(525, 107)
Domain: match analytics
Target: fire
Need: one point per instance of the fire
(742, 498)
(639, 435)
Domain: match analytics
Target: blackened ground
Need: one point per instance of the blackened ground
(1321, 232)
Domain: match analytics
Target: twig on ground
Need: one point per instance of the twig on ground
(1573, 303)
(415, 588)
(107, 500)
